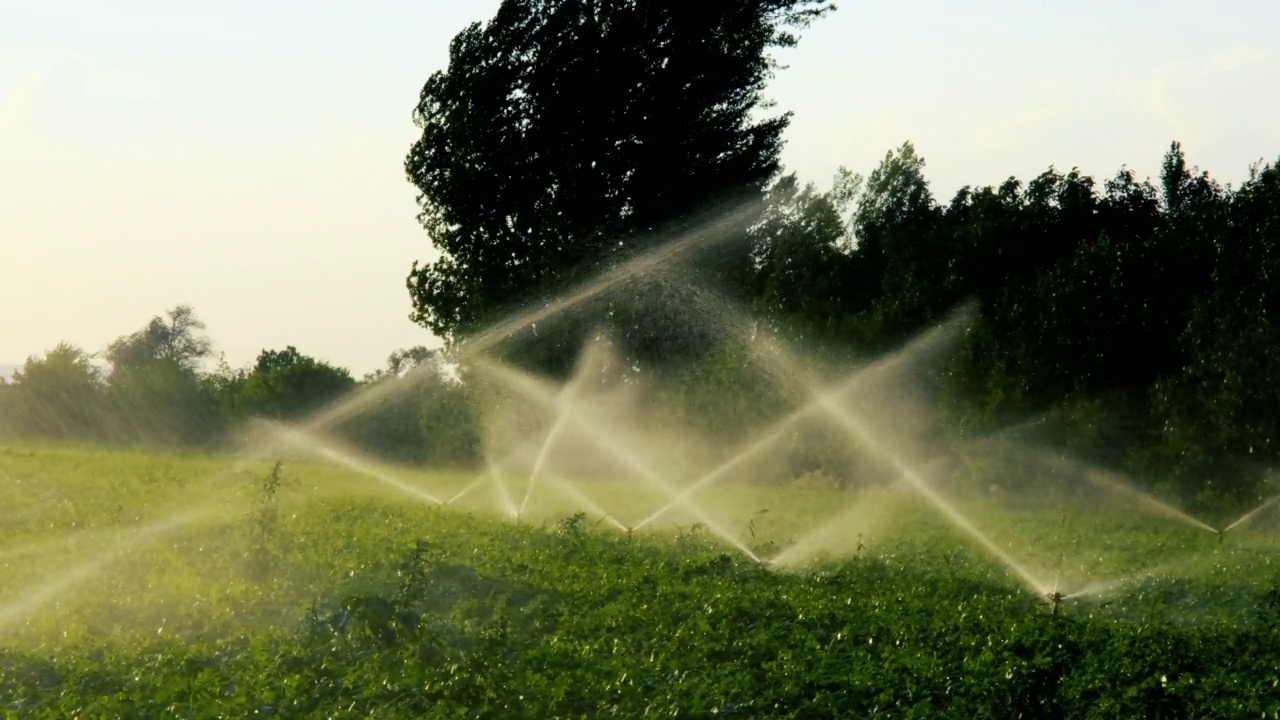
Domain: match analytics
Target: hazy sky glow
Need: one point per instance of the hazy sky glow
(246, 157)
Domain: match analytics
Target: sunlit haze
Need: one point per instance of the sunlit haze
(246, 158)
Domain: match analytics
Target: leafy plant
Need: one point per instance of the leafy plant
(264, 524)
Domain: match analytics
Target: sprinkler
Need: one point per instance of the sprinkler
(1055, 601)
(861, 547)
(1220, 534)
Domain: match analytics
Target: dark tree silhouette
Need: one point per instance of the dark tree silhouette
(565, 131)
(177, 338)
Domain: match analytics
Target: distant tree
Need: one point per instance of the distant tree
(287, 384)
(1182, 187)
(426, 418)
(156, 392)
(177, 338)
(8, 409)
(59, 395)
(564, 131)
(896, 193)
(899, 261)
(1224, 407)
(164, 403)
(800, 246)
(405, 360)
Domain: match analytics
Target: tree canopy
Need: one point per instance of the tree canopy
(288, 384)
(565, 131)
(177, 338)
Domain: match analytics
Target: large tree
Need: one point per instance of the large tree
(156, 392)
(58, 395)
(288, 384)
(177, 338)
(565, 131)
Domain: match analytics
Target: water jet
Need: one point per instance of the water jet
(471, 487)
(856, 429)
(784, 367)
(1251, 514)
(306, 440)
(136, 539)
(598, 433)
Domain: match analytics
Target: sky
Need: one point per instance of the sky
(246, 157)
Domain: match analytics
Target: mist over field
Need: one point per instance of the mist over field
(688, 435)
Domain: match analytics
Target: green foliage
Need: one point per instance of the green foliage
(286, 384)
(264, 530)
(156, 394)
(564, 133)
(802, 238)
(60, 396)
(423, 416)
(1142, 316)
(176, 339)
(387, 609)
(1222, 405)
(163, 403)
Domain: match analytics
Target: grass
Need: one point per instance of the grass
(335, 594)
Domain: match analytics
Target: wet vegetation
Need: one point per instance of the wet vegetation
(378, 607)
(702, 439)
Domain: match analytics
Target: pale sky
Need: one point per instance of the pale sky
(246, 156)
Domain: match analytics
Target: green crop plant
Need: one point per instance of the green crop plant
(386, 607)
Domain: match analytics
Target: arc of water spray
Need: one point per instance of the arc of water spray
(838, 523)
(782, 427)
(470, 488)
(1152, 503)
(856, 429)
(717, 229)
(560, 483)
(584, 500)
(529, 387)
(504, 494)
(490, 473)
(778, 432)
(1108, 586)
(785, 366)
(33, 600)
(865, 437)
(708, 232)
(1251, 514)
(309, 441)
(541, 460)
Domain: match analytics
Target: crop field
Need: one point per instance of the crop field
(145, 584)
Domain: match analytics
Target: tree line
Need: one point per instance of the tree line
(566, 136)
(1135, 316)
(1138, 316)
(150, 388)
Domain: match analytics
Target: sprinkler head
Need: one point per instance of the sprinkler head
(1055, 601)
(1220, 534)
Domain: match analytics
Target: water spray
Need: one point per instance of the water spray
(601, 438)
(1252, 514)
(465, 491)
